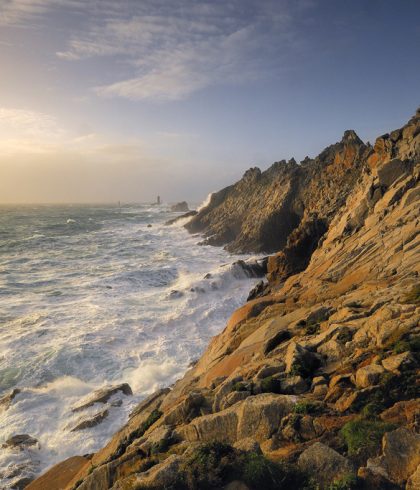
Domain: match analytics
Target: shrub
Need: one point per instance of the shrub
(346, 482)
(209, 466)
(401, 346)
(372, 409)
(312, 328)
(239, 387)
(259, 472)
(299, 369)
(363, 435)
(270, 385)
(305, 407)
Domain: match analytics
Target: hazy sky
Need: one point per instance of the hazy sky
(105, 100)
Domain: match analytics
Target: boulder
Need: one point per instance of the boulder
(6, 400)
(159, 476)
(324, 464)
(369, 375)
(59, 475)
(399, 362)
(89, 421)
(185, 410)
(257, 417)
(233, 397)
(180, 207)
(391, 171)
(299, 360)
(20, 441)
(172, 221)
(248, 445)
(413, 483)
(102, 396)
(401, 454)
(294, 385)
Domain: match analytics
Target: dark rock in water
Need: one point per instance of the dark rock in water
(208, 276)
(197, 290)
(180, 207)
(190, 214)
(20, 441)
(149, 225)
(258, 268)
(175, 294)
(257, 291)
(6, 400)
(102, 396)
(90, 421)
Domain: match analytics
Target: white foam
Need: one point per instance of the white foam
(98, 310)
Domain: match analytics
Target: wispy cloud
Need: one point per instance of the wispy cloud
(175, 49)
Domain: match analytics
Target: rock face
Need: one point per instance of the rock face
(102, 396)
(180, 207)
(319, 369)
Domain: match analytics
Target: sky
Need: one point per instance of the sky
(104, 100)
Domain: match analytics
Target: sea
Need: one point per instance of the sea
(92, 296)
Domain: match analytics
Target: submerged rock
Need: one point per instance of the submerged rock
(87, 422)
(7, 399)
(102, 396)
(20, 441)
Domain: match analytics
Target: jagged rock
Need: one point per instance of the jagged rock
(373, 480)
(257, 291)
(180, 207)
(184, 411)
(300, 360)
(390, 171)
(294, 385)
(257, 417)
(248, 445)
(324, 464)
(403, 413)
(20, 441)
(401, 453)
(102, 396)
(413, 483)
(368, 375)
(148, 401)
(172, 221)
(88, 421)
(351, 398)
(6, 400)
(267, 371)
(232, 398)
(251, 268)
(59, 475)
(398, 362)
(159, 476)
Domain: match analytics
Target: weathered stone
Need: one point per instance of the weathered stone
(184, 411)
(373, 480)
(413, 483)
(248, 445)
(88, 421)
(294, 385)
(180, 207)
(324, 464)
(267, 371)
(159, 476)
(401, 453)
(102, 396)
(257, 417)
(399, 362)
(7, 399)
(20, 441)
(368, 375)
(233, 397)
(403, 413)
(299, 360)
(59, 475)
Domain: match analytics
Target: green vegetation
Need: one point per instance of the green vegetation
(215, 464)
(305, 407)
(270, 385)
(412, 345)
(239, 387)
(299, 369)
(364, 435)
(346, 482)
(160, 447)
(345, 336)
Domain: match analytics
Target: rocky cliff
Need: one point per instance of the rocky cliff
(314, 384)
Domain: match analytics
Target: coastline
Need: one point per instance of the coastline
(328, 347)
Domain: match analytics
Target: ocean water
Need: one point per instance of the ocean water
(91, 296)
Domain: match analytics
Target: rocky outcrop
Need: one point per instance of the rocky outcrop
(317, 376)
(180, 207)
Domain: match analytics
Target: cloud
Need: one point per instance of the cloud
(175, 49)
(28, 123)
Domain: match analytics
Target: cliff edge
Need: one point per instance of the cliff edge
(315, 383)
